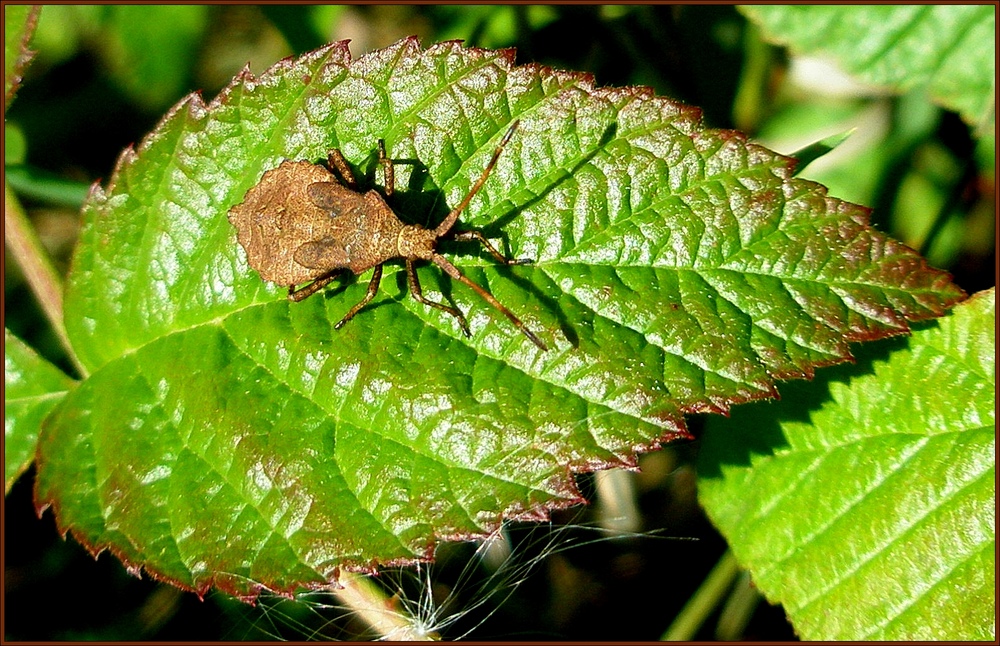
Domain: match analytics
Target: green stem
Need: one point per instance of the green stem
(42, 278)
(738, 611)
(705, 600)
(750, 100)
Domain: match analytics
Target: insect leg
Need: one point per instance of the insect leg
(372, 290)
(418, 296)
(452, 271)
(469, 236)
(387, 169)
(449, 221)
(336, 161)
(305, 292)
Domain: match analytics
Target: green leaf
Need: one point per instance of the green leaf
(865, 502)
(32, 388)
(949, 49)
(18, 26)
(677, 268)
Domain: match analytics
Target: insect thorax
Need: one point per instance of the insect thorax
(414, 241)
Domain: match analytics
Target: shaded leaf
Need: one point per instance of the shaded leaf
(865, 502)
(153, 64)
(18, 26)
(949, 49)
(32, 387)
(677, 269)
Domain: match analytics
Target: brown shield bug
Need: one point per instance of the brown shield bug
(300, 224)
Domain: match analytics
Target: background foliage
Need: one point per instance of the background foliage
(78, 109)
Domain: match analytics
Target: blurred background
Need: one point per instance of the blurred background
(103, 77)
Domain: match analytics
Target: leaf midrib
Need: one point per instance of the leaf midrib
(541, 266)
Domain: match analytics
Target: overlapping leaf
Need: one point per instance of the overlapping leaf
(865, 502)
(950, 49)
(19, 26)
(677, 268)
(32, 388)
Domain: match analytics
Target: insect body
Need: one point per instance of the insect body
(301, 224)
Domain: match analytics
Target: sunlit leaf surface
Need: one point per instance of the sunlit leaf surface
(865, 502)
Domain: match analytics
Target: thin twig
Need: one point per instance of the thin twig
(704, 601)
(45, 283)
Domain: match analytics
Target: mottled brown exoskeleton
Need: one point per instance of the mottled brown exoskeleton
(301, 224)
